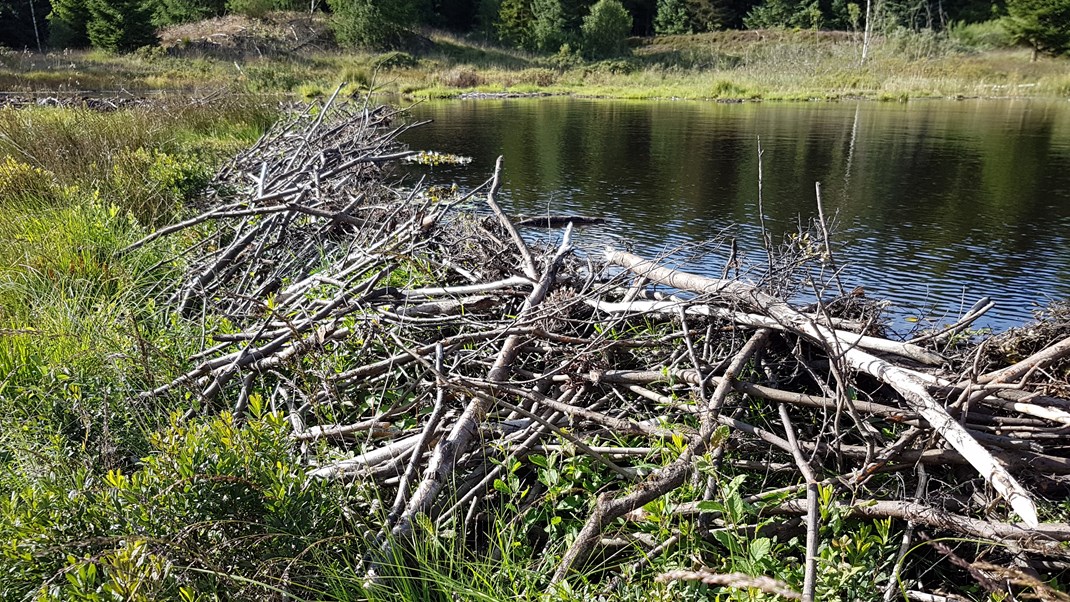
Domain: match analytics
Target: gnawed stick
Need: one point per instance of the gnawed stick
(609, 507)
(918, 354)
(912, 389)
(521, 246)
(453, 445)
(1040, 358)
(812, 514)
(1047, 538)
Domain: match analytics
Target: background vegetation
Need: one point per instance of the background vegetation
(543, 26)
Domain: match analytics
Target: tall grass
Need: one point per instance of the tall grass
(967, 60)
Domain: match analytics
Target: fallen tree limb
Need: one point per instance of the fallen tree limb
(912, 390)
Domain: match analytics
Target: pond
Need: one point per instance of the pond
(935, 203)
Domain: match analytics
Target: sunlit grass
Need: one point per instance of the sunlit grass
(774, 65)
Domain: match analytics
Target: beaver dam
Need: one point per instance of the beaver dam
(628, 422)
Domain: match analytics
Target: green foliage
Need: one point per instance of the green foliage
(803, 14)
(119, 25)
(672, 18)
(22, 185)
(370, 23)
(987, 35)
(1044, 25)
(170, 12)
(605, 30)
(207, 494)
(514, 22)
(256, 9)
(548, 25)
(67, 24)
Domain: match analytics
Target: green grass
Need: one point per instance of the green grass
(773, 65)
(78, 335)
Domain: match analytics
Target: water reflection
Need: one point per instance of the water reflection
(937, 203)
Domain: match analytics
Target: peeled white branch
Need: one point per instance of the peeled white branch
(912, 389)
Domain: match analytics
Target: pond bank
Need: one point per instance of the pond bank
(721, 65)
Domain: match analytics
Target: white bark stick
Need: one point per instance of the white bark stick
(912, 389)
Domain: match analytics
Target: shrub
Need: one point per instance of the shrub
(538, 77)
(986, 35)
(370, 23)
(394, 60)
(22, 184)
(605, 30)
(210, 493)
(461, 78)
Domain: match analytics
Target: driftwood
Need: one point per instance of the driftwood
(438, 348)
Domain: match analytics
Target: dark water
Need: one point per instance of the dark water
(937, 203)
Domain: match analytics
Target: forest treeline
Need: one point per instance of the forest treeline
(593, 28)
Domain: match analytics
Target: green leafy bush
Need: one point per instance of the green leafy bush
(370, 23)
(214, 507)
(605, 30)
(986, 35)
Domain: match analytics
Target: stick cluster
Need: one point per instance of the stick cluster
(438, 351)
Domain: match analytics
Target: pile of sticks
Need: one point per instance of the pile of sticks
(435, 348)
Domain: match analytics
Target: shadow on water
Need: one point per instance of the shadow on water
(935, 203)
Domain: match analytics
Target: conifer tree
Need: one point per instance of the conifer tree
(119, 25)
(1042, 24)
(672, 18)
(67, 24)
(514, 23)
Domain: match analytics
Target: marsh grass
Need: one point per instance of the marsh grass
(77, 332)
(775, 65)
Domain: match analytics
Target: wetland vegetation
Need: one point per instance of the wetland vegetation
(108, 493)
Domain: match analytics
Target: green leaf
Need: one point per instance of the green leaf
(760, 548)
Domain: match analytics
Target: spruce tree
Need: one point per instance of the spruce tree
(514, 23)
(672, 18)
(1042, 24)
(119, 25)
(67, 24)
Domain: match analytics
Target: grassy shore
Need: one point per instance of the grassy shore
(748, 65)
